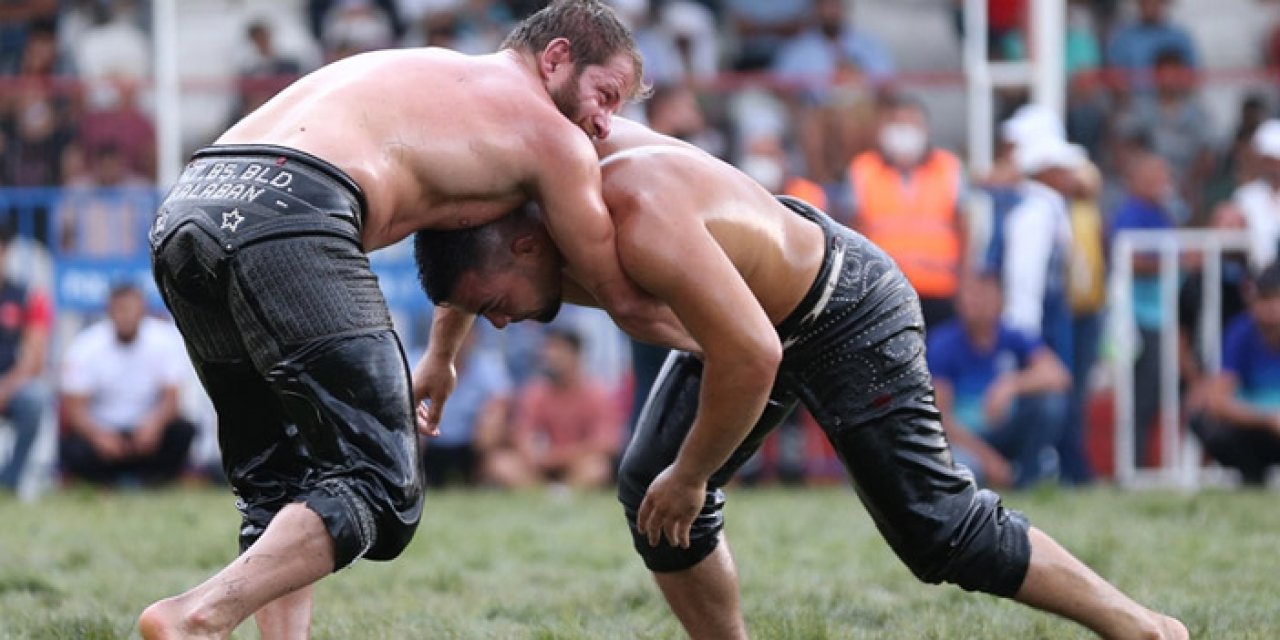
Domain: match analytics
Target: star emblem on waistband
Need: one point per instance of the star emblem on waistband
(231, 219)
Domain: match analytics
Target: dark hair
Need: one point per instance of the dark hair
(567, 336)
(1267, 283)
(123, 287)
(594, 32)
(443, 256)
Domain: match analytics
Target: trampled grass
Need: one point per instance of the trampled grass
(489, 565)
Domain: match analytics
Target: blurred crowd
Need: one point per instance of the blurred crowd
(1011, 265)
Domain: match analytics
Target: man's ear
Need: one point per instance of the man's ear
(555, 55)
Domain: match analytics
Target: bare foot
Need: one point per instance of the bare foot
(166, 620)
(1172, 628)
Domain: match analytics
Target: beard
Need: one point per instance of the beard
(565, 98)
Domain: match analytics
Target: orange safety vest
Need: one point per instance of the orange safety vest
(912, 216)
(806, 190)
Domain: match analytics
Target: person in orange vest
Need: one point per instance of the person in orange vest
(905, 198)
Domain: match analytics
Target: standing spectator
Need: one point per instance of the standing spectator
(566, 429)
(905, 198)
(1259, 200)
(1240, 426)
(1172, 123)
(1144, 207)
(1001, 393)
(120, 383)
(818, 57)
(1133, 48)
(478, 408)
(25, 319)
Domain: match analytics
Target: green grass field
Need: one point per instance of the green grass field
(488, 565)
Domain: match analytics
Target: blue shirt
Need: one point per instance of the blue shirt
(1134, 47)
(1255, 364)
(970, 370)
(812, 60)
(482, 378)
(1135, 213)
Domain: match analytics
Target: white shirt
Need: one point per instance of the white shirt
(1261, 206)
(123, 381)
(1037, 227)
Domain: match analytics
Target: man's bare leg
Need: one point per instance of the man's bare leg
(704, 597)
(1059, 583)
(293, 552)
(287, 617)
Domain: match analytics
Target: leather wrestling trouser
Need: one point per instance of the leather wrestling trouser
(290, 334)
(855, 357)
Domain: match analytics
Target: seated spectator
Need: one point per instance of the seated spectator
(124, 126)
(1001, 393)
(16, 21)
(264, 71)
(25, 319)
(1259, 200)
(107, 213)
(114, 48)
(478, 408)
(1240, 424)
(565, 427)
(355, 26)
(1133, 47)
(762, 27)
(1172, 123)
(120, 382)
(817, 58)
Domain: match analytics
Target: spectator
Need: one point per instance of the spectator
(565, 426)
(106, 215)
(1087, 279)
(1259, 200)
(1172, 123)
(1001, 393)
(25, 320)
(16, 20)
(1133, 48)
(677, 39)
(906, 198)
(674, 110)
(469, 26)
(124, 128)
(763, 27)
(1240, 427)
(477, 410)
(1033, 243)
(120, 383)
(1145, 207)
(115, 48)
(831, 50)
(264, 72)
(1238, 162)
(1192, 299)
(37, 135)
(355, 26)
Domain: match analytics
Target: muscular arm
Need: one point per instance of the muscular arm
(675, 258)
(574, 293)
(568, 190)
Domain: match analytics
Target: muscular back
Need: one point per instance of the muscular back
(656, 186)
(435, 139)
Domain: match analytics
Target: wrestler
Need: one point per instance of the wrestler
(787, 307)
(259, 253)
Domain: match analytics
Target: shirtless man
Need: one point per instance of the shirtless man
(259, 252)
(787, 307)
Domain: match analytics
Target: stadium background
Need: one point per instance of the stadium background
(102, 100)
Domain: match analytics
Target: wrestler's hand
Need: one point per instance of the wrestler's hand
(433, 382)
(670, 506)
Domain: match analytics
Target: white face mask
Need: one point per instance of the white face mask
(765, 170)
(903, 143)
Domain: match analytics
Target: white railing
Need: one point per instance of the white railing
(1180, 454)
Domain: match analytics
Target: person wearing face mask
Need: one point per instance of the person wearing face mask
(1240, 424)
(565, 430)
(905, 199)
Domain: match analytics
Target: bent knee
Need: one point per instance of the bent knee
(984, 547)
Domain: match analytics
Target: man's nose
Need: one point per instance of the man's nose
(603, 124)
